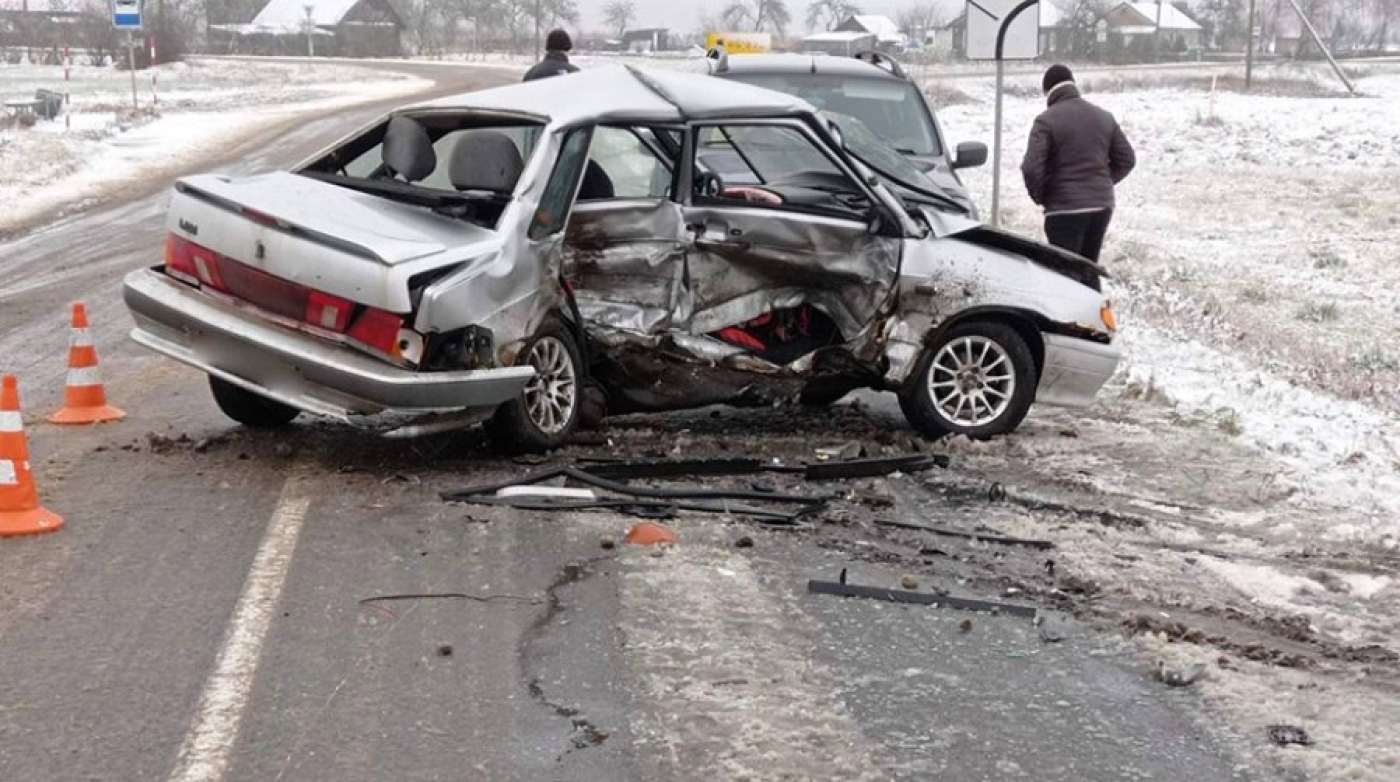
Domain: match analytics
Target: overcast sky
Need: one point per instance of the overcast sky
(684, 15)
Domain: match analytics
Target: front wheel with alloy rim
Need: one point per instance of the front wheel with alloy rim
(547, 411)
(978, 379)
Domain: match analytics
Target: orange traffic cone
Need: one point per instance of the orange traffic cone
(20, 513)
(85, 399)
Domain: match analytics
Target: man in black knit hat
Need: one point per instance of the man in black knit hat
(1077, 153)
(557, 46)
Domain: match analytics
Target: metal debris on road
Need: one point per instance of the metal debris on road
(918, 598)
(1284, 735)
(978, 536)
(370, 601)
(1173, 677)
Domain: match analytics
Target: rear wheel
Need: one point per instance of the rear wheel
(978, 380)
(547, 410)
(248, 408)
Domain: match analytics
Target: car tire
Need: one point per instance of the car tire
(250, 409)
(547, 411)
(983, 363)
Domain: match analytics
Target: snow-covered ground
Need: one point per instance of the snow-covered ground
(185, 111)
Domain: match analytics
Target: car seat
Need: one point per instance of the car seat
(486, 160)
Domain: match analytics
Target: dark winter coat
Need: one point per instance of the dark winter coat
(553, 64)
(1077, 153)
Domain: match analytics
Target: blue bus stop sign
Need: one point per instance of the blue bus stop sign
(126, 14)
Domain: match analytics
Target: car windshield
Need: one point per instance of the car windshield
(893, 109)
(877, 154)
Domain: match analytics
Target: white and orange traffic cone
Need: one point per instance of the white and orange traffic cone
(20, 513)
(85, 399)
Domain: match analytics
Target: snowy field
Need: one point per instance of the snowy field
(185, 111)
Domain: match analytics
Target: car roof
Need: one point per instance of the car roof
(626, 93)
(830, 65)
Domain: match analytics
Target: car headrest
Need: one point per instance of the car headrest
(408, 152)
(596, 185)
(486, 160)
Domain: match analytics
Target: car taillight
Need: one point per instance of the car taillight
(328, 312)
(383, 332)
(188, 261)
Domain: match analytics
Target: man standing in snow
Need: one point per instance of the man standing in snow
(1077, 153)
(557, 46)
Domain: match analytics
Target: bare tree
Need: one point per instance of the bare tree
(619, 15)
(758, 15)
(917, 18)
(1079, 21)
(826, 14)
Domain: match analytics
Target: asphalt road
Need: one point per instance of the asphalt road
(203, 614)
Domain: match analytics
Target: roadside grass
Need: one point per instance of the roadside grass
(1326, 258)
(943, 94)
(1374, 360)
(1255, 294)
(1319, 312)
(1275, 86)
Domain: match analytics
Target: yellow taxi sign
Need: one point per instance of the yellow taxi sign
(740, 43)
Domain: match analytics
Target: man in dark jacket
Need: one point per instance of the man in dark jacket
(557, 46)
(1077, 153)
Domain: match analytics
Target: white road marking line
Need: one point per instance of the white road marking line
(204, 757)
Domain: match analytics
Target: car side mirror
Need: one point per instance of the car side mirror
(971, 154)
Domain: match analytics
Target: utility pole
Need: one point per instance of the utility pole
(310, 30)
(1249, 50)
(1157, 33)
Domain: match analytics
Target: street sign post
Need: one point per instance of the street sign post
(126, 15)
(1002, 30)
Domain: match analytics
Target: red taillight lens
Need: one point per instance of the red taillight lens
(378, 330)
(328, 312)
(190, 262)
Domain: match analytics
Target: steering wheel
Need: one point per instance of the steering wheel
(708, 184)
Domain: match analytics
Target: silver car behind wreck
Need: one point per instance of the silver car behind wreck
(520, 254)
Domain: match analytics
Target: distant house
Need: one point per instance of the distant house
(1133, 23)
(887, 35)
(1126, 26)
(342, 28)
(645, 41)
(842, 43)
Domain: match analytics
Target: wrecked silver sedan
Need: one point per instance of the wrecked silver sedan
(540, 253)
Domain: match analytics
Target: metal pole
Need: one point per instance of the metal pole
(131, 63)
(1249, 51)
(996, 140)
(1318, 40)
(996, 148)
(1157, 34)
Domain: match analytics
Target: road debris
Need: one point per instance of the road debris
(649, 533)
(909, 582)
(965, 626)
(444, 650)
(372, 601)
(1052, 628)
(607, 543)
(744, 542)
(977, 536)
(1174, 677)
(1283, 735)
(918, 598)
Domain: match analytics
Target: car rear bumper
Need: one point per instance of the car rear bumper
(1075, 370)
(294, 367)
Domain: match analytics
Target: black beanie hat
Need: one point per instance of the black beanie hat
(1055, 75)
(558, 41)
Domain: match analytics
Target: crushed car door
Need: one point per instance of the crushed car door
(788, 255)
(624, 247)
